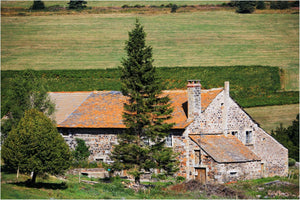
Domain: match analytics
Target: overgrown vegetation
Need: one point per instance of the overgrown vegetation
(249, 85)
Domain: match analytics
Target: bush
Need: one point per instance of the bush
(38, 5)
(174, 8)
(125, 6)
(180, 179)
(77, 4)
(245, 6)
(292, 162)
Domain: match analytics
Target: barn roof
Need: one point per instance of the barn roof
(104, 109)
(224, 149)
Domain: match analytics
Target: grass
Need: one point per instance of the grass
(214, 38)
(52, 187)
(283, 114)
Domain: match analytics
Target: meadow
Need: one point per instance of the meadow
(284, 115)
(208, 38)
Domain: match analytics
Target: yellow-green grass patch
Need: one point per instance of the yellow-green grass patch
(270, 117)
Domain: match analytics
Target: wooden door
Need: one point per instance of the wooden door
(201, 175)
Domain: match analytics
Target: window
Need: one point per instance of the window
(248, 137)
(197, 157)
(169, 141)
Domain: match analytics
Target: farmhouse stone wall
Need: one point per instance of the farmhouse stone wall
(100, 141)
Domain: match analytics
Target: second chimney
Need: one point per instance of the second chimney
(194, 98)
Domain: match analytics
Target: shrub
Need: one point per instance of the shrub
(125, 6)
(245, 6)
(77, 4)
(38, 5)
(292, 162)
(174, 8)
(180, 179)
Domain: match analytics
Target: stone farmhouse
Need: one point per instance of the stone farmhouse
(217, 140)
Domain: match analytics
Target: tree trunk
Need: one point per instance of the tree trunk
(33, 179)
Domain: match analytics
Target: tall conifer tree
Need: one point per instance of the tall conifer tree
(142, 145)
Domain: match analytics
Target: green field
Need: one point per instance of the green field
(210, 38)
(280, 115)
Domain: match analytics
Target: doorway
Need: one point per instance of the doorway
(201, 175)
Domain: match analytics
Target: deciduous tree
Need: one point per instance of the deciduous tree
(26, 92)
(142, 146)
(36, 146)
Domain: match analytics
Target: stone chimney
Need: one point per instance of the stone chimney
(194, 98)
(226, 107)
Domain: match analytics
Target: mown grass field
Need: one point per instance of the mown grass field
(97, 41)
(270, 117)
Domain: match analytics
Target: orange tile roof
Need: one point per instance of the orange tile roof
(66, 103)
(224, 149)
(104, 109)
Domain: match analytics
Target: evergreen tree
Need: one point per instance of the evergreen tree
(36, 146)
(142, 145)
(26, 91)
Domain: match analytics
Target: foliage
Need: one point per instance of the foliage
(289, 137)
(279, 5)
(77, 4)
(24, 92)
(36, 146)
(245, 6)
(260, 5)
(292, 162)
(81, 151)
(142, 145)
(38, 5)
(174, 8)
